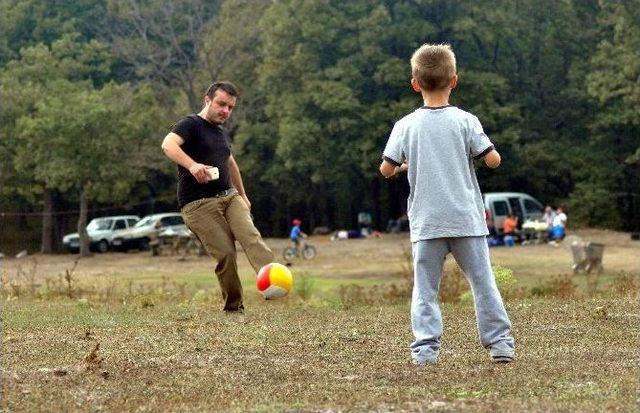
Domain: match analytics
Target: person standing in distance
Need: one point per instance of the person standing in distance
(211, 194)
(437, 144)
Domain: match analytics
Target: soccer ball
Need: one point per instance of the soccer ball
(274, 281)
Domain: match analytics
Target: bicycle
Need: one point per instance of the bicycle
(307, 251)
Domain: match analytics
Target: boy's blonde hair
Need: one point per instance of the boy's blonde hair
(433, 66)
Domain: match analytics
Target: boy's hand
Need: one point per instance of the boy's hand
(400, 169)
(492, 159)
(388, 170)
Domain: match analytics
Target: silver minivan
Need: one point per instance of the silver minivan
(499, 204)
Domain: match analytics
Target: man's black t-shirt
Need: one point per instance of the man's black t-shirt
(208, 144)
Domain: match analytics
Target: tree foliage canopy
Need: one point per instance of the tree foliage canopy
(322, 83)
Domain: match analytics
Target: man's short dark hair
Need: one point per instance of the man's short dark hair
(228, 87)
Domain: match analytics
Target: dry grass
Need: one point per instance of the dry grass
(282, 356)
(146, 334)
(370, 259)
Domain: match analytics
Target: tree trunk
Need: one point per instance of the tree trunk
(194, 101)
(377, 209)
(82, 224)
(47, 222)
(310, 213)
(22, 218)
(60, 228)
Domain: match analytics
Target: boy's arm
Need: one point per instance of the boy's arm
(394, 153)
(481, 146)
(492, 159)
(387, 169)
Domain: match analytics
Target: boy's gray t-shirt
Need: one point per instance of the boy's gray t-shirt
(439, 145)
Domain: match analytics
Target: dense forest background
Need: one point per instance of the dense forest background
(88, 90)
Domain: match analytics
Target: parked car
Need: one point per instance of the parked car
(499, 204)
(148, 227)
(101, 231)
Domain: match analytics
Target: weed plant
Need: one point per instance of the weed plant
(304, 286)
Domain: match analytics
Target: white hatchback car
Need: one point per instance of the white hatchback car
(102, 231)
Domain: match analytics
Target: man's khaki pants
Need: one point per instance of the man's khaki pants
(218, 222)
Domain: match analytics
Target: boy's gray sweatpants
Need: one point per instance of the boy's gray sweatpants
(472, 255)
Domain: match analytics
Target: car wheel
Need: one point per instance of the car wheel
(102, 246)
(143, 244)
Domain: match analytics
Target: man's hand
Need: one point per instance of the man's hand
(199, 171)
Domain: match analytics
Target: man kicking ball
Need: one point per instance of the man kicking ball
(211, 194)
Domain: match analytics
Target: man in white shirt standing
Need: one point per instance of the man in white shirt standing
(558, 228)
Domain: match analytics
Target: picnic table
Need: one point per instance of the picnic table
(535, 232)
(176, 242)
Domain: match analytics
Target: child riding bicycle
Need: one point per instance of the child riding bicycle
(296, 234)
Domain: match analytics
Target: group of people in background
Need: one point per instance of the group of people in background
(556, 223)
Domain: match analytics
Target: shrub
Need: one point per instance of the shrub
(452, 285)
(590, 205)
(505, 281)
(560, 286)
(304, 286)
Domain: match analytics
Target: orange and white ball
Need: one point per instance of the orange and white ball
(274, 281)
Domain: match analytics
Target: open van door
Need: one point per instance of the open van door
(499, 209)
(516, 209)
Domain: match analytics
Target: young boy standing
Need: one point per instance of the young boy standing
(437, 144)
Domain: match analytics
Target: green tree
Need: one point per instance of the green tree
(323, 81)
(99, 147)
(331, 81)
(160, 41)
(26, 23)
(22, 84)
(231, 50)
(614, 138)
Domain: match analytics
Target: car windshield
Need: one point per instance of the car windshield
(99, 224)
(144, 222)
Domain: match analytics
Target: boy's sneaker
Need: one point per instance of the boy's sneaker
(423, 363)
(501, 359)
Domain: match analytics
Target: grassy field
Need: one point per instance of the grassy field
(339, 342)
